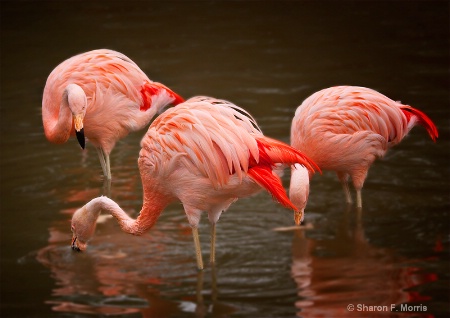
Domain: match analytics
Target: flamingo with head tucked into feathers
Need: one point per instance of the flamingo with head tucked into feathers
(206, 153)
(344, 129)
(103, 95)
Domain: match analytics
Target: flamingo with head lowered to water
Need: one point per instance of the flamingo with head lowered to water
(344, 129)
(206, 153)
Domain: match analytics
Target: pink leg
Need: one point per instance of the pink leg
(343, 177)
(198, 250)
(358, 178)
(212, 255)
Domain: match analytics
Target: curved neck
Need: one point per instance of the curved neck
(151, 210)
(299, 186)
(58, 123)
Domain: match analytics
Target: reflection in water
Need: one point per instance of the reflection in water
(125, 275)
(217, 308)
(122, 274)
(266, 57)
(360, 274)
(152, 275)
(106, 283)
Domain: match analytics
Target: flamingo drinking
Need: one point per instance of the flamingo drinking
(344, 129)
(206, 153)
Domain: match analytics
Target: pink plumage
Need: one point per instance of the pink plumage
(103, 95)
(345, 128)
(206, 153)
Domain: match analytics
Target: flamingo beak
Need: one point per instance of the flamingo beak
(298, 217)
(74, 244)
(79, 130)
(80, 138)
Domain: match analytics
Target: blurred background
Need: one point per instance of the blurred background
(266, 57)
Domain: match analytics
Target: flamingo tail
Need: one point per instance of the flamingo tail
(272, 152)
(272, 183)
(422, 119)
(153, 88)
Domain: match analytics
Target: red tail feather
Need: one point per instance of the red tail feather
(272, 151)
(423, 119)
(153, 88)
(265, 178)
(177, 98)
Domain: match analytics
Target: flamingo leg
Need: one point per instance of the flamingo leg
(198, 251)
(358, 198)
(101, 157)
(343, 177)
(212, 255)
(348, 196)
(107, 188)
(104, 162)
(108, 167)
(358, 181)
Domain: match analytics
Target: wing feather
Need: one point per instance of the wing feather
(216, 138)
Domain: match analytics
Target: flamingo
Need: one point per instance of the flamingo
(103, 95)
(344, 129)
(206, 153)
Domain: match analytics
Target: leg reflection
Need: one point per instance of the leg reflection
(333, 271)
(200, 309)
(215, 308)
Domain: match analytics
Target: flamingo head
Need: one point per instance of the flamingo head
(77, 101)
(299, 191)
(299, 216)
(83, 228)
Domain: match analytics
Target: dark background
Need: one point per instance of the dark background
(264, 56)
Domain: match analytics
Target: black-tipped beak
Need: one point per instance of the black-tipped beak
(80, 137)
(74, 244)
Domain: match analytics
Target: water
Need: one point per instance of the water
(267, 58)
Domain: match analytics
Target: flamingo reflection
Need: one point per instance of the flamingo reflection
(128, 275)
(359, 274)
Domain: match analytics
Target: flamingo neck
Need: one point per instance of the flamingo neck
(58, 124)
(155, 200)
(154, 204)
(299, 186)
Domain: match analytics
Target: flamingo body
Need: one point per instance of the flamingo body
(104, 94)
(345, 128)
(206, 153)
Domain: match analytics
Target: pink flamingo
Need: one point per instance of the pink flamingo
(206, 153)
(101, 94)
(344, 129)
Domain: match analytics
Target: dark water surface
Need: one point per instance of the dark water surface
(266, 57)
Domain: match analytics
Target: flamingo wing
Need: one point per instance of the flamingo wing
(98, 70)
(105, 74)
(220, 139)
(352, 109)
(215, 140)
